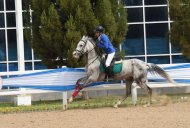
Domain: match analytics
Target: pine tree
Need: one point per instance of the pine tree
(58, 25)
(120, 14)
(180, 30)
(103, 12)
(85, 17)
(81, 21)
(51, 36)
(71, 39)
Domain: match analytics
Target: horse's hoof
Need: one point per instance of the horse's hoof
(70, 99)
(144, 106)
(115, 106)
(147, 105)
(80, 94)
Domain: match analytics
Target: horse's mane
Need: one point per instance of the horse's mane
(91, 40)
(95, 47)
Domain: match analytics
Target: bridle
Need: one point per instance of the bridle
(81, 52)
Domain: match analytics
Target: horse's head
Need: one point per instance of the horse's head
(83, 47)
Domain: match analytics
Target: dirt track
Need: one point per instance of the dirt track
(170, 116)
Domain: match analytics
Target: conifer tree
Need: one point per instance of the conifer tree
(103, 12)
(120, 14)
(85, 17)
(51, 36)
(58, 25)
(81, 21)
(180, 28)
(72, 37)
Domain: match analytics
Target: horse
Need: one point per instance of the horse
(133, 70)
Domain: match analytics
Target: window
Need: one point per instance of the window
(39, 66)
(13, 66)
(179, 59)
(11, 21)
(156, 13)
(10, 4)
(27, 51)
(28, 66)
(8, 45)
(157, 38)
(155, 2)
(140, 58)
(132, 2)
(1, 5)
(134, 44)
(158, 59)
(2, 46)
(2, 21)
(12, 44)
(3, 67)
(135, 14)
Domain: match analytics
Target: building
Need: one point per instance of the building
(147, 38)
(15, 53)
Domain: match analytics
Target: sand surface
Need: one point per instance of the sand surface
(170, 116)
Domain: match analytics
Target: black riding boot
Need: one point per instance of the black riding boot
(109, 71)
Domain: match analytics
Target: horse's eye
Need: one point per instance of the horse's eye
(80, 45)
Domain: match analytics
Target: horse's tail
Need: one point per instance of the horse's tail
(153, 68)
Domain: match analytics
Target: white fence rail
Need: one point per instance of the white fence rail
(134, 92)
(64, 79)
(23, 97)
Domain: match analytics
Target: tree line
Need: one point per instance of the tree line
(179, 11)
(58, 25)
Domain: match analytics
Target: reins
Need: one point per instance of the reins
(83, 53)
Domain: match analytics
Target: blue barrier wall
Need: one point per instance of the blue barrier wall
(65, 78)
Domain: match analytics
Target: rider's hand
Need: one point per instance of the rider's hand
(96, 45)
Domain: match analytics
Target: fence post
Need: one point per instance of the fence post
(85, 95)
(134, 94)
(64, 100)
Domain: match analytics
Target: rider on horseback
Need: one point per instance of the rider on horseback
(106, 45)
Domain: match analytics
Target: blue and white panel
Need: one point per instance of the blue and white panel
(180, 73)
(65, 78)
(56, 79)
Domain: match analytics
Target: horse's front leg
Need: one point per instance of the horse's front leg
(77, 88)
(86, 81)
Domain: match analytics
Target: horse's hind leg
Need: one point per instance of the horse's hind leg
(128, 91)
(150, 94)
(145, 87)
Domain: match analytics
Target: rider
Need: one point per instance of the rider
(106, 45)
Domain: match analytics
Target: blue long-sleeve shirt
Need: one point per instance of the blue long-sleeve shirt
(105, 44)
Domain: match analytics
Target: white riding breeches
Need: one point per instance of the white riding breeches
(109, 59)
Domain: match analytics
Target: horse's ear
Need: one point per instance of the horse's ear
(83, 37)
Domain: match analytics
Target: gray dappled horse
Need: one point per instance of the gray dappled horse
(133, 70)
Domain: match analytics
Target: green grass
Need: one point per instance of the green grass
(88, 104)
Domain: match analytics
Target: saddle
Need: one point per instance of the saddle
(116, 64)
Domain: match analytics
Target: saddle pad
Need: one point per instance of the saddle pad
(116, 68)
